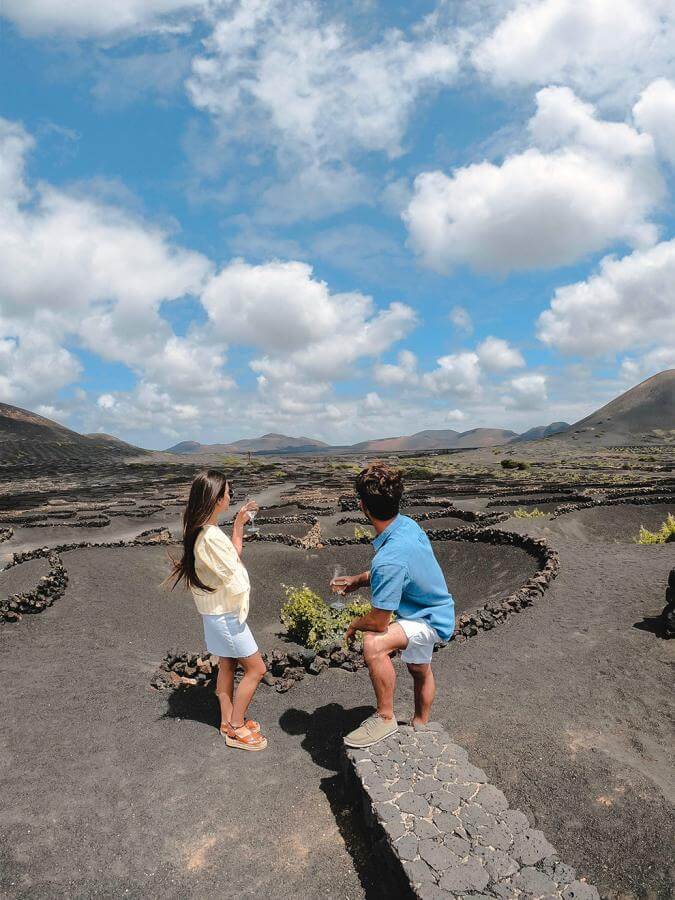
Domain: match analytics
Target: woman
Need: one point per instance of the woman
(211, 567)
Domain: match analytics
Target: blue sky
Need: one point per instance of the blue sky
(223, 218)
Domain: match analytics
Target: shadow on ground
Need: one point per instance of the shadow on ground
(323, 730)
(656, 625)
(199, 704)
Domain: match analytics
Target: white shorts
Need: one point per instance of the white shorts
(421, 640)
(227, 636)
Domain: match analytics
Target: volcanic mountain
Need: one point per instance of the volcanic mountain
(643, 415)
(540, 431)
(422, 440)
(441, 439)
(28, 439)
(272, 442)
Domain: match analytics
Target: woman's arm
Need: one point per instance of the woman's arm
(242, 518)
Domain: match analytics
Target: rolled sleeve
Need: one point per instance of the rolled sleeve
(386, 584)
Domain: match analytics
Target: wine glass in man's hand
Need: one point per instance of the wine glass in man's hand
(339, 581)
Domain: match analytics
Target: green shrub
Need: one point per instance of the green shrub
(419, 472)
(665, 534)
(311, 622)
(514, 464)
(522, 513)
(361, 532)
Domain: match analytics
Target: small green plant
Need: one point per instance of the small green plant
(360, 532)
(311, 622)
(420, 472)
(522, 513)
(514, 464)
(665, 534)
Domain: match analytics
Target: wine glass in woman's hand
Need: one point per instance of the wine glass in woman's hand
(251, 508)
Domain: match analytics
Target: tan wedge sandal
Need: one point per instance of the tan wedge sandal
(243, 738)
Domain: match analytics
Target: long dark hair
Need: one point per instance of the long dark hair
(208, 489)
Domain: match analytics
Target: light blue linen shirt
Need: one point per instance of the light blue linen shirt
(405, 577)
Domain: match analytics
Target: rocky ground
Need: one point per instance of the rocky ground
(110, 787)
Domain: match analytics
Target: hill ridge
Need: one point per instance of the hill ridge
(643, 414)
(28, 438)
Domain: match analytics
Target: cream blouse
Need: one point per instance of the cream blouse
(218, 565)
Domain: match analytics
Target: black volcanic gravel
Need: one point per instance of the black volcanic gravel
(618, 523)
(112, 789)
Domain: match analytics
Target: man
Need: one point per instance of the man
(405, 579)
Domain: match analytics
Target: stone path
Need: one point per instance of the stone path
(452, 833)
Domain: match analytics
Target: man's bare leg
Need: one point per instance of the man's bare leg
(376, 649)
(425, 691)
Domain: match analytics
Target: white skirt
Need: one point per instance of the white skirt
(227, 636)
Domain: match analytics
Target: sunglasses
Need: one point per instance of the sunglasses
(229, 487)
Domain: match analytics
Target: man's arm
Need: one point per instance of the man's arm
(375, 620)
(387, 582)
(345, 584)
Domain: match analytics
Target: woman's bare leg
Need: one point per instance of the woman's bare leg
(254, 669)
(225, 687)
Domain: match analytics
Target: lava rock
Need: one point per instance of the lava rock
(317, 665)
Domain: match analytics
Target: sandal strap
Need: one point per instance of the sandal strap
(251, 724)
(253, 737)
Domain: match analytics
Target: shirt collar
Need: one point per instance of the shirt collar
(388, 531)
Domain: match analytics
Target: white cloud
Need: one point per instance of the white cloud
(464, 374)
(111, 272)
(459, 374)
(635, 369)
(314, 192)
(89, 273)
(33, 366)
(88, 253)
(284, 71)
(151, 411)
(527, 391)
(400, 373)
(602, 48)
(533, 210)
(461, 319)
(106, 401)
(655, 113)
(297, 323)
(628, 304)
(373, 401)
(84, 18)
(497, 355)
(455, 415)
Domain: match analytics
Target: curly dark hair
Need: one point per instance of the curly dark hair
(380, 488)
